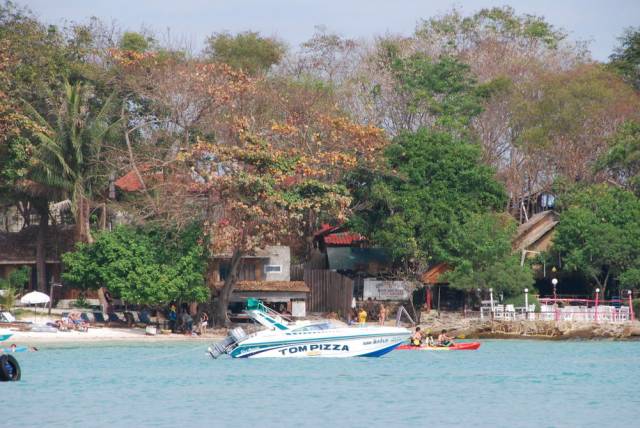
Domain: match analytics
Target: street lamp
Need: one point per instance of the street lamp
(526, 303)
(554, 281)
(491, 300)
(597, 297)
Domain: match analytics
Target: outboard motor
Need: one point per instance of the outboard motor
(228, 343)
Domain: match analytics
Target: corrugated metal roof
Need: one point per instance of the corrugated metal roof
(298, 286)
(432, 276)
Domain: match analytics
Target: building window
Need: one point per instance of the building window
(272, 269)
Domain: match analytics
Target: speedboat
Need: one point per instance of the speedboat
(282, 338)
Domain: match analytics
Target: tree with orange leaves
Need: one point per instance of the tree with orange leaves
(255, 195)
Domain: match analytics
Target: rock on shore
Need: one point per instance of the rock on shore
(459, 326)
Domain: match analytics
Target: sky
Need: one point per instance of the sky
(599, 22)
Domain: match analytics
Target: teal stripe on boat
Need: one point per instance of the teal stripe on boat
(320, 339)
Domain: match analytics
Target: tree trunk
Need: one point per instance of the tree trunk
(220, 311)
(82, 228)
(41, 266)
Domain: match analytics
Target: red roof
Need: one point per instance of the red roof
(326, 228)
(344, 238)
(331, 235)
(129, 182)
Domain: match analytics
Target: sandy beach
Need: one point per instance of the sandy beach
(100, 334)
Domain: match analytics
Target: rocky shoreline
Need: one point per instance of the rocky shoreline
(474, 328)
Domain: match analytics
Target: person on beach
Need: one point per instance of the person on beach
(173, 318)
(187, 322)
(204, 322)
(362, 316)
(416, 338)
(382, 314)
(444, 340)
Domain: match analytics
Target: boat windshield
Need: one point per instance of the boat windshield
(315, 327)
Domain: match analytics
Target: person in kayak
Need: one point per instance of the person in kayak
(429, 339)
(444, 340)
(416, 338)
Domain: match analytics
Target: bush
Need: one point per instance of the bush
(518, 301)
(636, 307)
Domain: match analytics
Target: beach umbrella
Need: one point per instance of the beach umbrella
(35, 298)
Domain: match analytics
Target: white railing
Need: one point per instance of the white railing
(600, 313)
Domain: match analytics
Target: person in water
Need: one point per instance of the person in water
(416, 338)
(444, 340)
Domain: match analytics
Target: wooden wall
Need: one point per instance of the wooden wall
(330, 291)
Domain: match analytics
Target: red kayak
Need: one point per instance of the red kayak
(466, 346)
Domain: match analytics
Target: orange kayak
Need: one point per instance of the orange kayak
(467, 346)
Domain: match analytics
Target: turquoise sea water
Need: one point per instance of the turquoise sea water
(504, 384)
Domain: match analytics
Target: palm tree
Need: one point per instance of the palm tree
(69, 149)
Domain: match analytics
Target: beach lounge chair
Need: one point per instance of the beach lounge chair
(144, 318)
(7, 317)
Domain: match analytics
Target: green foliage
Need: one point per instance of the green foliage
(135, 42)
(517, 299)
(81, 302)
(569, 106)
(622, 160)
(445, 88)
(626, 57)
(12, 287)
(501, 23)
(433, 184)
(599, 234)
(247, 51)
(482, 256)
(20, 277)
(143, 266)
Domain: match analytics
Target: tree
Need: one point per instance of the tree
(416, 90)
(432, 185)
(626, 58)
(69, 150)
(622, 160)
(141, 266)
(135, 42)
(256, 195)
(12, 287)
(598, 234)
(247, 51)
(566, 127)
(482, 256)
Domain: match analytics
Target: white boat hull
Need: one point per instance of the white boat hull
(349, 342)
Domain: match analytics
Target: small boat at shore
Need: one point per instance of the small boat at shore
(285, 339)
(460, 346)
(5, 334)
